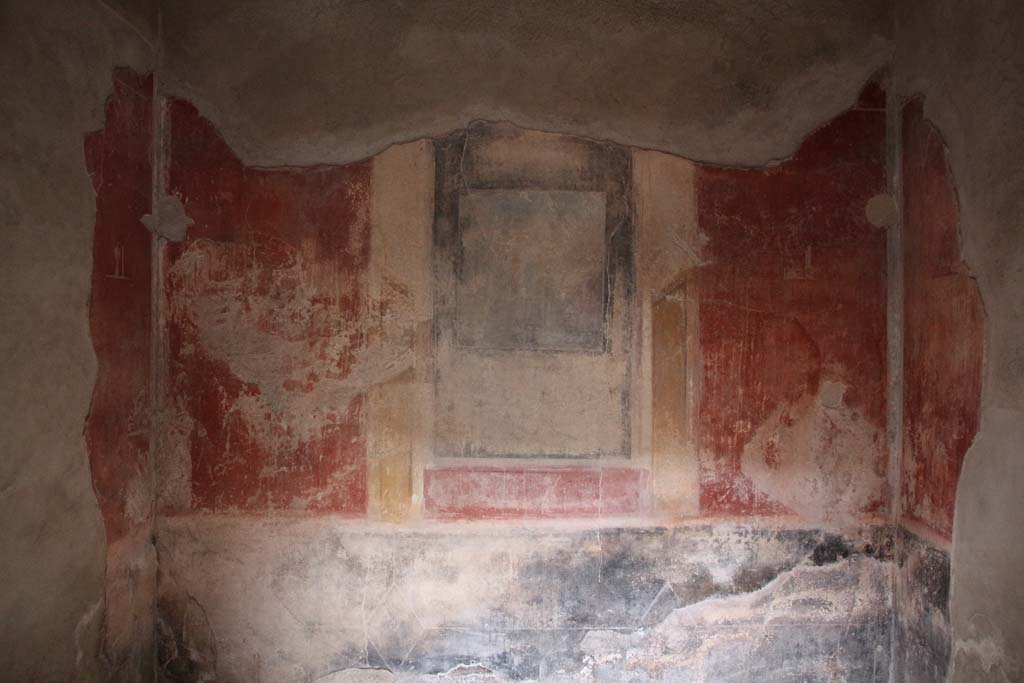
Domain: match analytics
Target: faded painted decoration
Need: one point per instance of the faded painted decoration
(533, 296)
(792, 306)
(277, 325)
(117, 429)
(531, 270)
(479, 357)
(944, 331)
(516, 492)
(265, 327)
(533, 328)
(703, 603)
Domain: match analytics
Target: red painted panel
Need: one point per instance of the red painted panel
(264, 322)
(532, 492)
(792, 298)
(117, 428)
(944, 331)
(873, 94)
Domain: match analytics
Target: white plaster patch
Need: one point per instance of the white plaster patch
(168, 219)
(819, 457)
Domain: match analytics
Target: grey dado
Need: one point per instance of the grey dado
(336, 602)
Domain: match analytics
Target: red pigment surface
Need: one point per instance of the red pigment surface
(264, 307)
(944, 331)
(793, 294)
(117, 428)
(532, 492)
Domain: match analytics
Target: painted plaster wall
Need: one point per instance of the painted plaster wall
(528, 425)
(792, 298)
(297, 317)
(265, 325)
(966, 61)
(943, 346)
(57, 60)
(968, 77)
(294, 294)
(943, 331)
(118, 427)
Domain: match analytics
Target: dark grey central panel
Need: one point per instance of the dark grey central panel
(533, 296)
(533, 270)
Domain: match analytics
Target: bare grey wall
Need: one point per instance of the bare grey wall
(967, 59)
(55, 62)
(735, 81)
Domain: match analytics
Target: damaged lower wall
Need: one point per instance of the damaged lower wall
(922, 638)
(305, 599)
